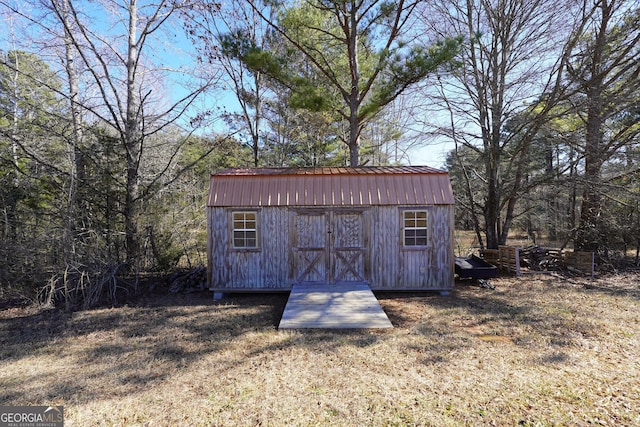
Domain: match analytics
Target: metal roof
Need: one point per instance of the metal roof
(330, 186)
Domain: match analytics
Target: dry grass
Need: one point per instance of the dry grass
(539, 350)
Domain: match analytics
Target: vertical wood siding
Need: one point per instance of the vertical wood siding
(371, 249)
(384, 243)
(274, 256)
(395, 267)
(265, 268)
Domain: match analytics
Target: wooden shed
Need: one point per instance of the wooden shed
(389, 227)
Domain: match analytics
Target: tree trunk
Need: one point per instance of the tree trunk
(588, 233)
(492, 215)
(11, 216)
(354, 141)
(492, 202)
(132, 144)
(355, 125)
(68, 243)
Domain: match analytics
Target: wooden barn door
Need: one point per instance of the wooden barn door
(309, 252)
(348, 249)
(328, 246)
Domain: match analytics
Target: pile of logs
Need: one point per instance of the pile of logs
(540, 258)
(187, 281)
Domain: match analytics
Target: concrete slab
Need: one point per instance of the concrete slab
(327, 306)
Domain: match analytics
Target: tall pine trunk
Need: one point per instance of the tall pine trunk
(354, 100)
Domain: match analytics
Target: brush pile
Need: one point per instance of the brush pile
(187, 281)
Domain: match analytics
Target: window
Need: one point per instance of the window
(245, 230)
(415, 228)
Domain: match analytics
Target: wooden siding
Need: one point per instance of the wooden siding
(365, 244)
(249, 269)
(397, 267)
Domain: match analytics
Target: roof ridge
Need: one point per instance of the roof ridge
(330, 170)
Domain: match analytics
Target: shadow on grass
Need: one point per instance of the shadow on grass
(132, 347)
(85, 356)
(543, 319)
(143, 342)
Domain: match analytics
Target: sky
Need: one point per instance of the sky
(433, 154)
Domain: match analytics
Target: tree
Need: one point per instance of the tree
(356, 49)
(127, 86)
(500, 77)
(215, 30)
(604, 70)
(297, 137)
(77, 132)
(30, 153)
(176, 228)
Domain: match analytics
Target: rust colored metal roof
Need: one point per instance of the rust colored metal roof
(330, 186)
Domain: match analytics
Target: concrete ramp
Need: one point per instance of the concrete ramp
(342, 306)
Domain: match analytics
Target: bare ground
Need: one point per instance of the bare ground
(537, 351)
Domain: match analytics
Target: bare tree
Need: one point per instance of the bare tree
(510, 67)
(119, 68)
(77, 133)
(214, 28)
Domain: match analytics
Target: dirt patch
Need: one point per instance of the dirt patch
(538, 350)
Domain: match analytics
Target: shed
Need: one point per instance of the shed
(271, 228)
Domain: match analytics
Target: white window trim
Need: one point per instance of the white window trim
(233, 229)
(403, 228)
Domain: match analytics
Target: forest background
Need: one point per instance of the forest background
(113, 113)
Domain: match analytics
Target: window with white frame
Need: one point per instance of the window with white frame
(245, 229)
(414, 224)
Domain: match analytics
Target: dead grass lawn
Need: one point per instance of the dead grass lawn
(537, 351)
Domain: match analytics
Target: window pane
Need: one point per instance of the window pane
(244, 229)
(415, 228)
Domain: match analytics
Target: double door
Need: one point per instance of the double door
(329, 246)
